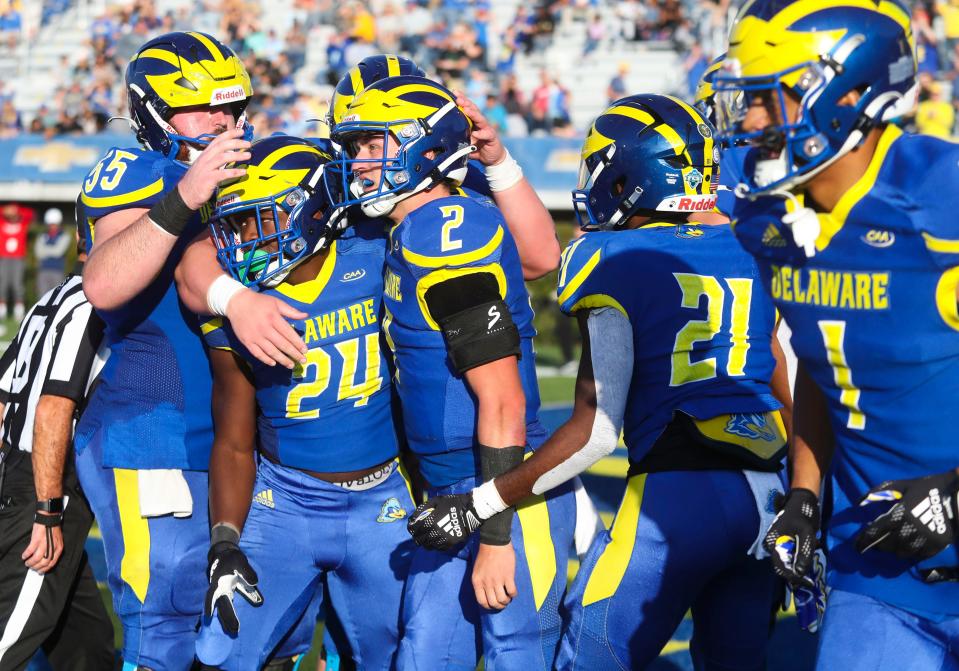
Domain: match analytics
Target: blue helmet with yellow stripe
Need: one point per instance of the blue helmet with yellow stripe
(368, 71)
(431, 132)
(181, 70)
(646, 155)
(279, 214)
(704, 99)
(844, 66)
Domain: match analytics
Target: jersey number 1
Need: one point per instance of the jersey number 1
(683, 369)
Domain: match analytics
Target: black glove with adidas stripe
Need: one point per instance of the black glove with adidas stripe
(444, 522)
(922, 520)
(229, 572)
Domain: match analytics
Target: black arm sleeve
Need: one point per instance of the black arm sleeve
(476, 322)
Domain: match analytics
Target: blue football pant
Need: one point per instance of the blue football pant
(860, 633)
(679, 541)
(445, 628)
(156, 567)
(300, 527)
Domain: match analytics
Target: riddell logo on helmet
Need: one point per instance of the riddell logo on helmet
(699, 203)
(228, 95)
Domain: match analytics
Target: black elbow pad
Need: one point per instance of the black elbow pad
(480, 334)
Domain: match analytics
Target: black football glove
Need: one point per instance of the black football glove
(920, 524)
(444, 522)
(229, 572)
(791, 539)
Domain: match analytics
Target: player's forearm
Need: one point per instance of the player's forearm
(532, 228)
(811, 449)
(232, 473)
(196, 272)
(51, 440)
(779, 384)
(120, 268)
(501, 403)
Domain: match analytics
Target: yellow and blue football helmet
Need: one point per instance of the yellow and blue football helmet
(650, 155)
(368, 71)
(432, 132)
(704, 99)
(179, 70)
(817, 52)
(284, 174)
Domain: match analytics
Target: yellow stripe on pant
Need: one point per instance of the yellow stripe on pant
(538, 545)
(135, 565)
(611, 566)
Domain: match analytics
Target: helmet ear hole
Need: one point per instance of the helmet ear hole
(618, 186)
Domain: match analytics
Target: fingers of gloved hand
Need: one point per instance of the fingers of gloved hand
(227, 615)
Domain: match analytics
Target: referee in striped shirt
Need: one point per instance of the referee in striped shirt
(48, 596)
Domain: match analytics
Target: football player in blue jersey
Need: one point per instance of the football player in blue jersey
(143, 443)
(678, 352)
(851, 222)
(263, 328)
(458, 320)
(327, 487)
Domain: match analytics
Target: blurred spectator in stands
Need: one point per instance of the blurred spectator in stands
(10, 26)
(616, 88)
(595, 34)
(544, 25)
(495, 112)
(15, 220)
(455, 55)
(695, 65)
(478, 86)
(935, 116)
(362, 23)
(296, 45)
(949, 11)
(539, 120)
(50, 250)
(523, 29)
(416, 23)
(926, 53)
(628, 13)
(389, 26)
(10, 122)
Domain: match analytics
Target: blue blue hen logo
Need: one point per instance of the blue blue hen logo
(391, 511)
(750, 425)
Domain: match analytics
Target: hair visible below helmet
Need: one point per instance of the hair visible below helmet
(368, 71)
(433, 135)
(649, 155)
(817, 53)
(283, 174)
(180, 70)
(705, 93)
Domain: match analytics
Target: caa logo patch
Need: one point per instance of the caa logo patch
(391, 511)
(353, 275)
(751, 425)
(877, 238)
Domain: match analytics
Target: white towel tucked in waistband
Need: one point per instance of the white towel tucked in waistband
(164, 491)
(765, 487)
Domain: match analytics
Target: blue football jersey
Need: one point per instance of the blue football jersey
(152, 406)
(331, 414)
(730, 175)
(444, 239)
(702, 329)
(874, 319)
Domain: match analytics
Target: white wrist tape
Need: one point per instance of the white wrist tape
(504, 175)
(487, 501)
(220, 292)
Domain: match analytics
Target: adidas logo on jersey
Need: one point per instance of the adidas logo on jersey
(451, 524)
(265, 498)
(931, 512)
(772, 237)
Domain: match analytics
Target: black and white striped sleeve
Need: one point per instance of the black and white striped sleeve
(74, 349)
(8, 364)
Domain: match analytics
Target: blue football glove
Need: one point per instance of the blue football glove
(791, 538)
(444, 522)
(920, 523)
(810, 598)
(229, 572)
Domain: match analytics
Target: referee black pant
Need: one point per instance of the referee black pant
(60, 611)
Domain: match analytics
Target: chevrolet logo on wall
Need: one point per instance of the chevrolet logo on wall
(56, 156)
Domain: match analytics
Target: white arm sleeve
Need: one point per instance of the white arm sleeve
(611, 351)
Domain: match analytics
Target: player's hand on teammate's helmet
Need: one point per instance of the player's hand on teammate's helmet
(229, 572)
(444, 522)
(810, 598)
(922, 520)
(489, 148)
(791, 538)
(209, 169)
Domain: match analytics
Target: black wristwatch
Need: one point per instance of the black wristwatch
(51, 506)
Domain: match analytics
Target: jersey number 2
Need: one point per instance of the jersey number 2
(318, 360)
(683, 370)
